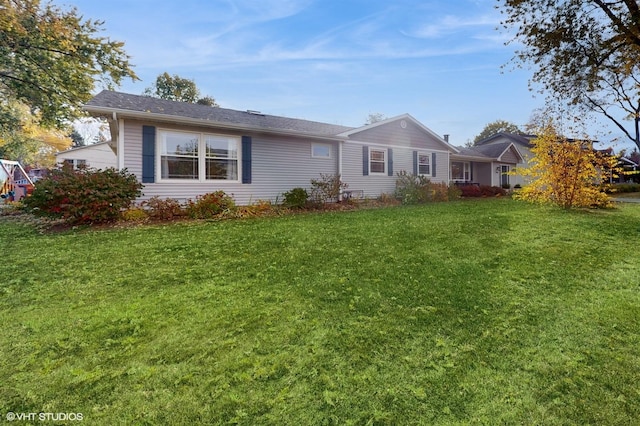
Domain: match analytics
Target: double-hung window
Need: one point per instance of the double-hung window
(197, 156)
(221, 157)
(377, 161)
(424, 164)
(179, 155)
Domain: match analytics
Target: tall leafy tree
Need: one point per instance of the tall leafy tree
(375, 117)
(50, 60)
(583, 52)
(563, 171)
(176, 88)
(497, 127)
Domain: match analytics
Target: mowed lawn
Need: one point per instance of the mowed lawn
(475, 312)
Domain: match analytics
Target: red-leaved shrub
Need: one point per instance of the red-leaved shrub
(84, 195)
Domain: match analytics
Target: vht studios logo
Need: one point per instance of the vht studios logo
(51, 417)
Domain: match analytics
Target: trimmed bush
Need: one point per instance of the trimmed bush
(470, 191)
(481, 191)
(135, 214)
(296, 198)
(84, 195)
(211, 205)
(164, 208)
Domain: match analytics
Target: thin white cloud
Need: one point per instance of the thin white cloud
(451, 24)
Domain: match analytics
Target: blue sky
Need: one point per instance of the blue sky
(328, 60)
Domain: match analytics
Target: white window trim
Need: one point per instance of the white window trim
(428, 154)
(323, 145)
(466, 167)
(385, 162)
(202, 158)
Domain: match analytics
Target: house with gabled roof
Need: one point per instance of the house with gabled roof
(182, 150)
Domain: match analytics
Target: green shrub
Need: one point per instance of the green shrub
(135, 214)
(327, 188)
(210, 205)
(84, 195)
(164, 208)
(296, 198)
(413, 189)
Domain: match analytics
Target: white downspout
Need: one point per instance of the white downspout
(340, 151)
(120, 141)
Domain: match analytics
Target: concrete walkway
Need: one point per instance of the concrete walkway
(626, 200)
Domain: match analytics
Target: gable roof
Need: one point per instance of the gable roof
(146, 107)
(493, 151)
(524, 140)
(91, 146)
(408, 117)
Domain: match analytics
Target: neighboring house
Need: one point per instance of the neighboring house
(181, 150)
(627, 171)
(98, 155)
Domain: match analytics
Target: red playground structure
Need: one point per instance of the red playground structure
(14, 181)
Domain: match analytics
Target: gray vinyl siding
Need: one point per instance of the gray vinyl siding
(278, 165)
(393, 134)
(373, 185)
(483, 173)
(510, 157)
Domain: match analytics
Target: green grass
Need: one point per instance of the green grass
(477, 312)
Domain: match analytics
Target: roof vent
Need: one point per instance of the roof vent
(253, 112)
(446, 138)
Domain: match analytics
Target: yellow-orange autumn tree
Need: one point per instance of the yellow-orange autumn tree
(565, 172)
(29, 142)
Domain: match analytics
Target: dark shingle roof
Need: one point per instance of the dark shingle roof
(493, 151)
(524, 140)
(123, 102)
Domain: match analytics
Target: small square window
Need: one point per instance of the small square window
(320, 150)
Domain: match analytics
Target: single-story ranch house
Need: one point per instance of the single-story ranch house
(182, 150)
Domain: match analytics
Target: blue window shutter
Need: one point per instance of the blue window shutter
(390, 153)
(433, 164)
(148, 154)
(415, 163)
(365, 161)
(470, 171)
(246, 159)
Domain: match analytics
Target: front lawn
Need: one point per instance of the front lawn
(474, 312)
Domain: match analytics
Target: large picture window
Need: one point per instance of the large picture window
(377, 161)
(460, 171)
(197, 156)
